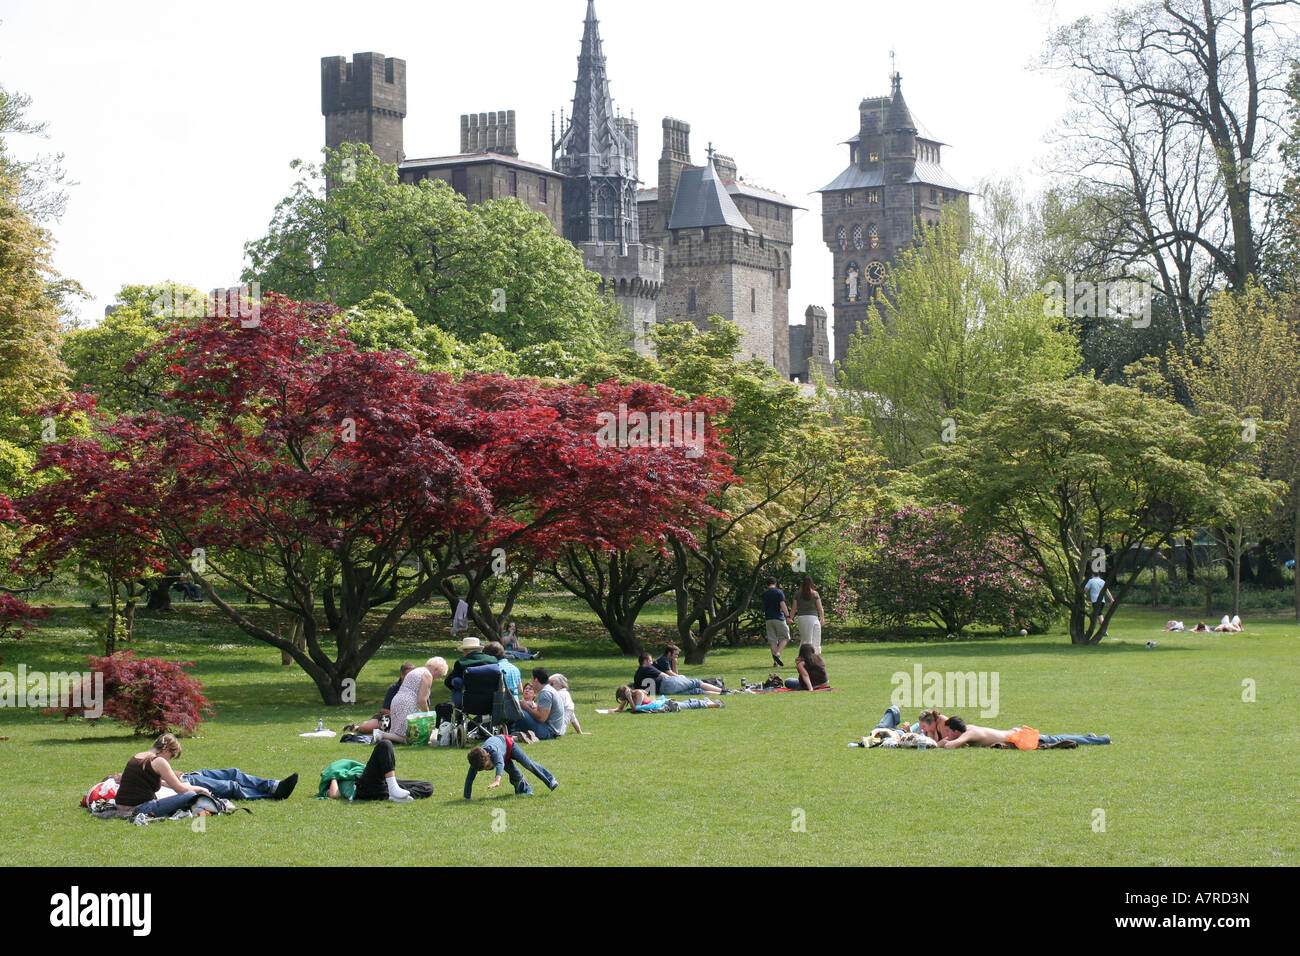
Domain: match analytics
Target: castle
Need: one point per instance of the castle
(703, 241)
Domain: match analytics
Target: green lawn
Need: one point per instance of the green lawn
(1195, 776)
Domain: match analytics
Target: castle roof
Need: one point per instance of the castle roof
(899, 116)
(734, 189)
(703, 201)
(467, 159)
(928, 174)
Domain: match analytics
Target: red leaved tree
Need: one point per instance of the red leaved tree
(343, 487)
(102, 511)
(151, 695)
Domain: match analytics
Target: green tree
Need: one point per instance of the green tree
(959, 324)
(496, 268)
(1085, 476)
(1249, 362)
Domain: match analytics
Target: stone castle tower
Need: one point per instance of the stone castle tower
(810, 348)
(894, 186)
(597, 156)
(726, 246)
(364, 102)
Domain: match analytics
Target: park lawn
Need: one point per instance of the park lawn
(1196, 775)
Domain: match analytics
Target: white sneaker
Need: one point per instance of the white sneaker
(404, 798)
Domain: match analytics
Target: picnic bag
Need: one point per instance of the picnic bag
(505, 708)
(420, 727)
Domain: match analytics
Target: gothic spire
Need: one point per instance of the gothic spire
(593, 144)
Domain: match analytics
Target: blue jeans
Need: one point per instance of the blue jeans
(668, 684)
(1046, 739)
(167, 805)
(893, 717)
(232, 784)
(541, 729)
(520, 759)
(519, 655)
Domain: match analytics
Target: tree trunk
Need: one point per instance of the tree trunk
(1236, 569)
(110, 638)
(296, 639)
(1155, 581)
(1078, 624)
(160, 592)
(1295, 559)
(132, 601)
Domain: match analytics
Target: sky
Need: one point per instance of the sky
(178, 121)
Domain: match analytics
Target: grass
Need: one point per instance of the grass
(1196, 775)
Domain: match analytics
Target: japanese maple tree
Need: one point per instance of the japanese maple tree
(343, 487)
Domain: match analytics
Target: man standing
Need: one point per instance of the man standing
(1099, 595)
(778, 619)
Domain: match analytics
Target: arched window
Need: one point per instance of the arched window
(606, 212)
(857, 237)
(842, 237)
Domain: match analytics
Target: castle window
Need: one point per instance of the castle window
(753, 300)
(690, 301)
(857, 237)
(512, 182)
(842, 237)
(846, 199)
(934, 195)
(460, 181)
(875, 157)
(776, 213)
(606, 230)
(541, 189)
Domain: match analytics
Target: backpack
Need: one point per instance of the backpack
(206, 806)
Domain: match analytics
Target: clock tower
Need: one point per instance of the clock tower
(893, 187)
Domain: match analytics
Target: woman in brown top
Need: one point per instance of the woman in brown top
(146, 772)
(811, 668)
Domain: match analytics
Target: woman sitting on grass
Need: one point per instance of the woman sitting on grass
(412, 698)
(144, 776)
(811, 668)
(560, 684)
(640, 702)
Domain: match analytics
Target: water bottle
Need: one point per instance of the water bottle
(320, 725)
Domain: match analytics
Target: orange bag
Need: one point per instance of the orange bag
(1025, 738)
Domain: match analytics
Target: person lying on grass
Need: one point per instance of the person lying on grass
(640, 702)
(230, 784)
(931, 723)
(374, 780)
(146, 773)
(381, 720)
(671, 682)
(1019, 738)
(652, 679)
(502, 753)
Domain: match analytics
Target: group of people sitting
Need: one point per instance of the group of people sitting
(934, 729)
(1231, 625)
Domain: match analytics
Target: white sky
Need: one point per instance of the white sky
(178, 121)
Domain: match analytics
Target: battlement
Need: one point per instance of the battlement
(726, 167)
(489, 133)
(677, 140)
(370, 81)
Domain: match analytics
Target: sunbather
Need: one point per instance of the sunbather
(1019, 738)
(641, 702)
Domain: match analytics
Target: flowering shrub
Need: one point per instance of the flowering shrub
(152, 695)
(16, 617)
(924, 564)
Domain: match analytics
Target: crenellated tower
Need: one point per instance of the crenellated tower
(364, 101)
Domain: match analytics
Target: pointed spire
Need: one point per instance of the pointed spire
(593, 144)
(899, 116)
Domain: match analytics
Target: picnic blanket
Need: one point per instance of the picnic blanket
(783, 690)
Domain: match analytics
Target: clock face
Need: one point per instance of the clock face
(876, 272)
